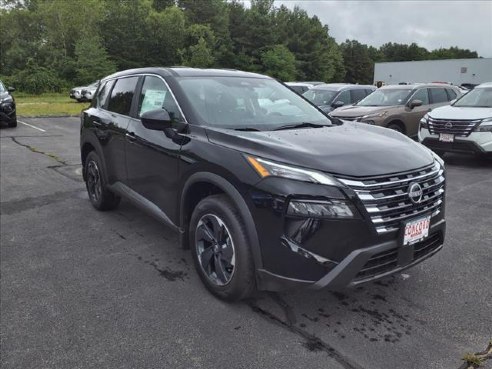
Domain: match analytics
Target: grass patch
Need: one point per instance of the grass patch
(473, 359)
(47, 105)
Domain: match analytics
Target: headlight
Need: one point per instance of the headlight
(485, 125)
(321, 209)
(424, 121)
(372, 116)
(266, 168)
(6, 99)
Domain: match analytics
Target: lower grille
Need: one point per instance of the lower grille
(386, 261)
(387, 200)
(461, 128)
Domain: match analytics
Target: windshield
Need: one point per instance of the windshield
(386, 97)
(256, 103)
(477, 98)
(2, 88)
(320, 97)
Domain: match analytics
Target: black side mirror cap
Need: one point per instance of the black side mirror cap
(10, 89)
(337, 104)
(415, 103)
(157, 120)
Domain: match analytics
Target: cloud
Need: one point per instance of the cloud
(431, 24)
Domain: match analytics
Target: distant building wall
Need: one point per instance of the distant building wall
(456, 71)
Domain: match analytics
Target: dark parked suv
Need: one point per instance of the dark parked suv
(8, 113)
(266, 190)
(329, 96)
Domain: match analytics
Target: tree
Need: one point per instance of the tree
(279, 62)
(92, 61)
(358, 64)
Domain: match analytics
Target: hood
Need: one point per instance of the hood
(358, 111)
(351, 149)
(456, 112)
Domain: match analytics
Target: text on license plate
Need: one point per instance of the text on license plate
(446, 137)
(416, 230)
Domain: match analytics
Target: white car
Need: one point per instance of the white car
(79, 93)
(464, 126)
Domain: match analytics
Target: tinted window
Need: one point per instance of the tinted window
(299, 89)
(438, 95)
(357, 95)
(345, 97)
(422, 95)
(451, 94)
(320, 97)
(122, 95)
(156, 95)
(368, 92)
(103, 94)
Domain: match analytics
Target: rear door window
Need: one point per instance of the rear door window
(357, 95)
(122, 95)
(438, 95)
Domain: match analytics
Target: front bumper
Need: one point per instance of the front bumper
(328, 253)
(7, 112)
(475, 143)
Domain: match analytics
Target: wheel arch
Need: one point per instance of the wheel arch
(202, 184)
(398, 122)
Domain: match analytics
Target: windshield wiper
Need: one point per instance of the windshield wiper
(247, 129)
(301, 125)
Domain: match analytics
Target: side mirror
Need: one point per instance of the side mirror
(10, 89)
(337, 104)
(157, 120)
(415, 103)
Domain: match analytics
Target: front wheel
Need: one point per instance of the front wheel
(13, 122)
(99, 195)
(395, 127)
(220, 248)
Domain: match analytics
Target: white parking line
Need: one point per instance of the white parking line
(27, 124)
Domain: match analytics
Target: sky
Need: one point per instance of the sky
(431, 24)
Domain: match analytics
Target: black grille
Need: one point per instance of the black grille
(461, 128)
(386, 261)
(346, 118)
(386, 198)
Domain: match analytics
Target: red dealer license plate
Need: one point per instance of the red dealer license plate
(416, 230)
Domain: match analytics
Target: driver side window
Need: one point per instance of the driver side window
(344, 96)
(156, 95)
(422, 95)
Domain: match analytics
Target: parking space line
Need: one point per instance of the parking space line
(27, 124)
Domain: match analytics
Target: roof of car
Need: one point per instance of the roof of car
(417, 85)
(341, 86)
(485, 84)
(188, 72)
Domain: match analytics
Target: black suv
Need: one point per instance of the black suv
(266, 190)
(7, 106)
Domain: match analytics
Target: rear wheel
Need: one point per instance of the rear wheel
(99, 195)
(220, 249)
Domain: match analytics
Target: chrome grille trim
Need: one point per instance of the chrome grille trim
(461, 128)
(386, 197)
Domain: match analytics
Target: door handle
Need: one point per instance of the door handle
(130, 136)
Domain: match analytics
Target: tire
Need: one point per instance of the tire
(396, 127)
(225, 267)
(95, 181)
(13, 123)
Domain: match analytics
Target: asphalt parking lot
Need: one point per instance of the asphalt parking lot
(86, 289)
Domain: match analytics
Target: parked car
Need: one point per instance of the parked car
(264, 200)
(464, 126)
(8, 112)
(399, 107)
(329, 96)
(77, 93)
(299, 87)
(89, 91)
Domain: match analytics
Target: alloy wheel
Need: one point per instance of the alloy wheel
(94, 185)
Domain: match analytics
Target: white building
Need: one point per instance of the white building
(455, 71)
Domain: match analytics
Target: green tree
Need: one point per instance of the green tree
(279, 62)
(358, 63)
(92, 61)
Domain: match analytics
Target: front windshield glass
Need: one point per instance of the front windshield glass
(477, 98)
(320, 97)
(2, 88)
(254, 103)
(386, 97)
